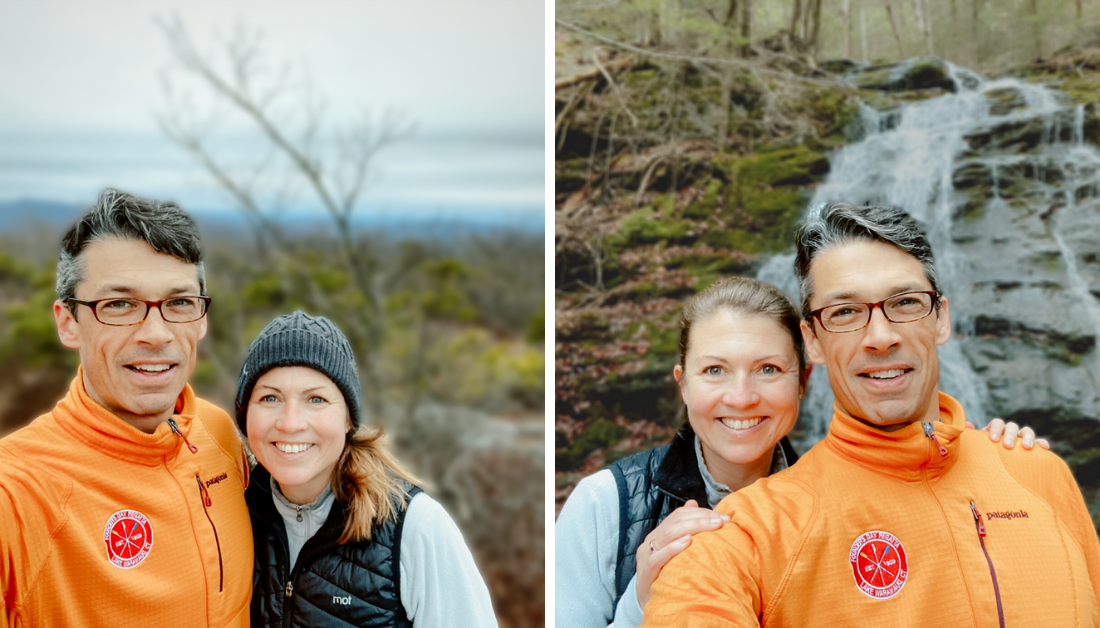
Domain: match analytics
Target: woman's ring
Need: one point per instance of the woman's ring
(651, 548)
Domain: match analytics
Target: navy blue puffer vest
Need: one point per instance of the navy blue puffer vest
(651, 485)
(331, 584)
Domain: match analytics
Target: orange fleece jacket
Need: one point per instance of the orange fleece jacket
(104, 525)
(888, 512)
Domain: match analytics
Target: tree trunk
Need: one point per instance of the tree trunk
(863, 33)
(846, 10)
(814, 27)
(731, 14)
(1036, 28)
(928, 26)
(976, 30)
(746, 27)
(796, 22)
(894, 27)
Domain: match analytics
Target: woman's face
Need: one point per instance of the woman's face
(297, 420)
(740, 383)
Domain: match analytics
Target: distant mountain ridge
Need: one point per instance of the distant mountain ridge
(406, 223)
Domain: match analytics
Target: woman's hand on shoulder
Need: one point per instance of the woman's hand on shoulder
(669, 539)
(1010, 431)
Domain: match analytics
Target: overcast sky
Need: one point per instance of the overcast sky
(82, 83)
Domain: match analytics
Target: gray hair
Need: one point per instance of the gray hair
(748, 297)
(831, 224)
(162, 225)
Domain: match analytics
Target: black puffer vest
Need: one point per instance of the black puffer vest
(651, 485)
(332, 584)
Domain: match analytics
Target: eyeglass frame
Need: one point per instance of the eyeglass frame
(936, 296)
(149, 305)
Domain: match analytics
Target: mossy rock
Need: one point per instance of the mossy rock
(599, 434)
(707, 206)
(647, 226)
(1005, 100)
(708, 267)
(918, 73)
(588, 325)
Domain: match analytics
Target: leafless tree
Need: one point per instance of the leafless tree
(304, 156)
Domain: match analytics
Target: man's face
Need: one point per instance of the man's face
(137, 371)
(886, 373)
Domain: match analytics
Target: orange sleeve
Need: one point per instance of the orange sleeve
(714, 582)
(1075, 516)
(1045, 474)
(8, 526)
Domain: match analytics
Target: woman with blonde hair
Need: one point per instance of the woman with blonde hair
(342, 534)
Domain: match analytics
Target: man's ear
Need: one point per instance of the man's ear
(67, 325)
(943, 323)
(813, 347)
(202, 327)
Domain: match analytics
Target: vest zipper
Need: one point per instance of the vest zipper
(981, 539)
(176, 428)
(204, 496)
(286, 602)
(930, 432)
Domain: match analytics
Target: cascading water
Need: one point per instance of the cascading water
(909, 158)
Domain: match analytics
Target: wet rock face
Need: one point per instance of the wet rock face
(912, 74)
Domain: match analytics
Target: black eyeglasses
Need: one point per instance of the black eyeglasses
(122, 312)
(899, 308)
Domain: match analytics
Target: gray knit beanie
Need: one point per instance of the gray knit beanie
(299, 339)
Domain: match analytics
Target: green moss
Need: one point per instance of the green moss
(599, 434)
(663, 342)
(646, 226)
(706, 207)
(707, 268)
(637, 77)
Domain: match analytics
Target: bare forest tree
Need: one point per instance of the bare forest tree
(334, 170)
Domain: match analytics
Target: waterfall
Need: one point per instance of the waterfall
(908, 158)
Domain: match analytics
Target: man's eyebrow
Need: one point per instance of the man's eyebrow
(131, 291)
(849, 296)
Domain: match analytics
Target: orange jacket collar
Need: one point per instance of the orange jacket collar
(906, 453)
(100, 429)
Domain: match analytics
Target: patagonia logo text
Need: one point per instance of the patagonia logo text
(1019, 514)
(213, 481)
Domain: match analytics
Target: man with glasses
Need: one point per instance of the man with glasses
(899, 517)
(124, 506)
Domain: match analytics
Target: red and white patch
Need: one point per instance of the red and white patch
(879, 564)
(129, 537)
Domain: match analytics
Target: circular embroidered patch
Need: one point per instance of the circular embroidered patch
(879, 564)
(129, 537)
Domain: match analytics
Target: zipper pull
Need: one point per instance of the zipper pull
(289, 588)
(176, 428)
(931, 433)
(203, 492)
(978, 518)
(299, 509)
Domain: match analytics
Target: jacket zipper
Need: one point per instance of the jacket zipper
(286, 602)
(176, 428)
(981, 539)
(204, 495)
(930, 432)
